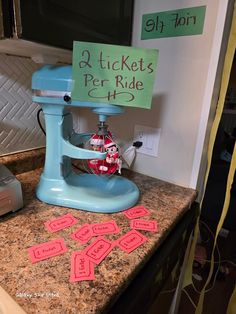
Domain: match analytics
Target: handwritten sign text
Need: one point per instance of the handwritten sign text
(182, 22)
(113, 74)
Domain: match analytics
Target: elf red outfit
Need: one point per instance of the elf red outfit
(112, 162)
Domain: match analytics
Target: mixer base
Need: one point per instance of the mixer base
(89, 192)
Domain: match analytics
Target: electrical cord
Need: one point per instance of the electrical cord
(39, 122)
(219, 261)
(216, 262)
(216, 273)
(190, 299)
(223, 261)
(215, 276)
(168, 291)
(188, 296)
(228, 261)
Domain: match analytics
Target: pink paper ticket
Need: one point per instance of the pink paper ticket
(46, 250)
(83, 234)
(136, 212)
(81, 268)
(147, 225)
(60, 223)
(102, 228)
(130, 241)
(98, 250)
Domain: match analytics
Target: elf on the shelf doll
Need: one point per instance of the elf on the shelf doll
(113, 160)
(97, 143)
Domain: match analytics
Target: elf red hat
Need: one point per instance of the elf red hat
(97, 140)
(109, 142)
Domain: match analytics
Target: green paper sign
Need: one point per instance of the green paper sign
(183, 22)
(112, 74)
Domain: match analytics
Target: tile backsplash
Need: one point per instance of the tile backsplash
(19, 129)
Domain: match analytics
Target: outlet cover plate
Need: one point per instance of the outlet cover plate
(150, 138)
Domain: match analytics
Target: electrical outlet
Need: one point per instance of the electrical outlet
(150, 138)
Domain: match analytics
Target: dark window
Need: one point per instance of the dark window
(59, 22)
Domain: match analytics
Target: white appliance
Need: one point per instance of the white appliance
(10, 192)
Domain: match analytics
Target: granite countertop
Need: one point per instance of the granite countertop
(44, 287)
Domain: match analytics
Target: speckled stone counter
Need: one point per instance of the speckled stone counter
(44, 287)
(25, 161)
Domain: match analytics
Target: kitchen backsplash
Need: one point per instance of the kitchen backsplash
(19, 129)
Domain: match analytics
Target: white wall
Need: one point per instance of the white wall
(181, 97)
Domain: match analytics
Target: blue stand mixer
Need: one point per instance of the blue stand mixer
(59, 184)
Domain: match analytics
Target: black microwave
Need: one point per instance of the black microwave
(58, 23)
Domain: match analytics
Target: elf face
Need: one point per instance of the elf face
(97, 147)
(112, 149)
